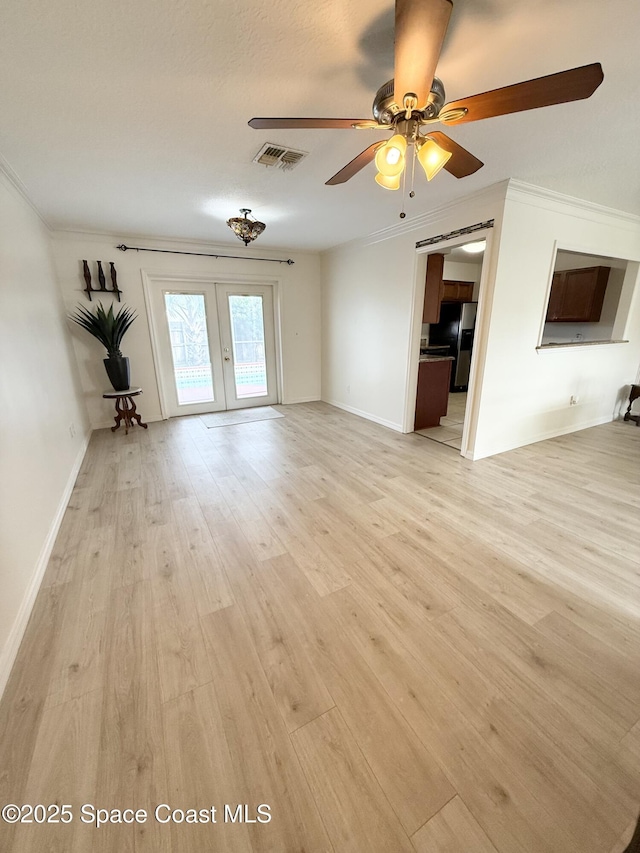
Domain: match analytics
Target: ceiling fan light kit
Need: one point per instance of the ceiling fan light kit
(389, 183)
(391, 156)
(244, 228)
(416, 97)
(431, 157)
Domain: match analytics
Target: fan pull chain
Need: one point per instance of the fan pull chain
(404, 185)
(413, 171)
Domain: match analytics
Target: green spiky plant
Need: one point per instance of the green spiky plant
(107, 327)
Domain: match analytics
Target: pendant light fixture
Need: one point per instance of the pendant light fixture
(244, 228)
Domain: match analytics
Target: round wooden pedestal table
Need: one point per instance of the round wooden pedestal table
(125, 408)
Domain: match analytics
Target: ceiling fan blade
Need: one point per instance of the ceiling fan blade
(560, 88)
(359, 162)
(420, 29)
(462, 162)
(301, 123)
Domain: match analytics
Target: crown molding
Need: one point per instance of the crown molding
(492, 193)
(508, 190)
(12, 179)
(551, 200)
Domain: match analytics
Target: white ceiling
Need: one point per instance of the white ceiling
(131, 118)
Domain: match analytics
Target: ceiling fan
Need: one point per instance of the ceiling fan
(415, 98)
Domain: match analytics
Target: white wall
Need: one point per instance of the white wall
(371, 309)
(298, 286)
(40, 399)
(525, 390)
(367, 305)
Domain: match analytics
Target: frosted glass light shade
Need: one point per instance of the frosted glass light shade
(390, 158)
(389, 183)
(475, 248)
(432, 158)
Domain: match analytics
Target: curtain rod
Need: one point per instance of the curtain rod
(124, 248)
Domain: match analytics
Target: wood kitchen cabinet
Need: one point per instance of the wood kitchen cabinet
(432, 397)
(577, 295)
(436, 290)
(457, 291)
(433, 288)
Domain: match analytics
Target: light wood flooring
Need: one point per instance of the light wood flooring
(392, 647)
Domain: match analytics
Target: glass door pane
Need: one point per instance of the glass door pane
(187, 320)
(247, 337)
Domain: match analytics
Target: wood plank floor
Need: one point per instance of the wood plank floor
(393, 648)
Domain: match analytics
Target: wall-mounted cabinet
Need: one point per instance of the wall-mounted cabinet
(433, 288)
(438, 290)
(457, 291)
(577, 295)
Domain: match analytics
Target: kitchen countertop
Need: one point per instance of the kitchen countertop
(553, 345)
(435, 358)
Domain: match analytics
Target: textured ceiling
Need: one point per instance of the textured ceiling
(131, 118)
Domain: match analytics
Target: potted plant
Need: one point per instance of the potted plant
(109, 329)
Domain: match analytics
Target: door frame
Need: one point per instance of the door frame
(173, 279)
(480, 343)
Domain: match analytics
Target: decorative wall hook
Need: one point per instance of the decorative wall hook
(101, 280)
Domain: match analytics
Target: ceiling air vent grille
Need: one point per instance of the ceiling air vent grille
(279, 156)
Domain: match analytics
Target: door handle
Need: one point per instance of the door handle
(227, 358)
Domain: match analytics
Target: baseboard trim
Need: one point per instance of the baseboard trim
(366, 415)
(10, 650)
(314, 399)
(545, 436)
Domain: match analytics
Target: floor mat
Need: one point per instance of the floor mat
(239, 416)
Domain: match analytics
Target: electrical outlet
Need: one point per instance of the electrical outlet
(72, 429)
(573, 400)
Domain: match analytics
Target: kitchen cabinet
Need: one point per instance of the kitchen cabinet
(433, 288)
(436, 290)
(432, 399)
(457, 291)
(577, 295)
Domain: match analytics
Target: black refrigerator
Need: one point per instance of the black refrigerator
(455, 329)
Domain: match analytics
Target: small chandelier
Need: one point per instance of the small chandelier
(244, 228)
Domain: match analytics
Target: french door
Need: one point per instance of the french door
(214, 345)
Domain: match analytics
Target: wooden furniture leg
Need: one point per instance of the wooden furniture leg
(121, 415)
(633, 396)
(126, 411)
(134, 416)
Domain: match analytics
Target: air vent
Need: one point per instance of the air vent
(279, 156)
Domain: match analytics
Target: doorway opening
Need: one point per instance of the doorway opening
(453, 277)
(214, 345)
